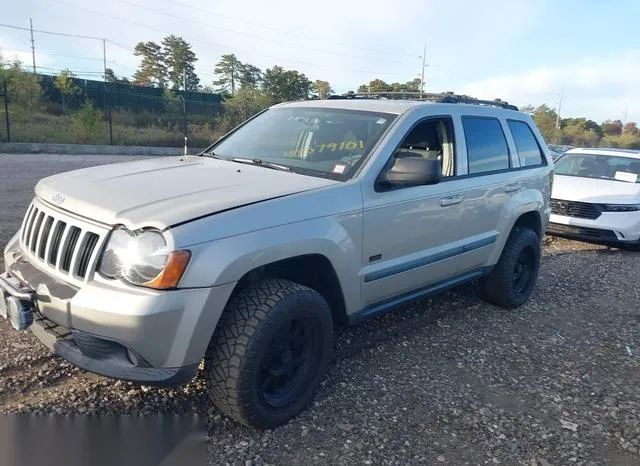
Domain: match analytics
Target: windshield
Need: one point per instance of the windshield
(624, 169)
(315, 141)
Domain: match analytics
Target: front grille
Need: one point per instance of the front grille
(60, 243)
(575, 209)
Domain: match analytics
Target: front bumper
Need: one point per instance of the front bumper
(145, 336)
(610, 228)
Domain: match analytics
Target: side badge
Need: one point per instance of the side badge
(57, 198)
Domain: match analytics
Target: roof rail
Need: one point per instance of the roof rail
(442, 97)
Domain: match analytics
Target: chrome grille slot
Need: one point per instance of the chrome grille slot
(25, 226)
(86, 252)
(61, 243)
(69, 248)
(36, 231)
(27, 237)
(44, 238)
(56, 238)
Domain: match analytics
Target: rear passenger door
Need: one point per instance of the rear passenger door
(488, 188)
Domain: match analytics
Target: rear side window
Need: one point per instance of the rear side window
(487, 148)
(526, 144)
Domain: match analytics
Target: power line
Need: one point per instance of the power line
(281, 31)
(226, 47)
(77, 36)
(74, 57)
(234, 31)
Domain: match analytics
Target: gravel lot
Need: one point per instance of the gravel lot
(449, 380)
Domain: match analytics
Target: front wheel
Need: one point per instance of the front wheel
(511, 282)
(269, 353)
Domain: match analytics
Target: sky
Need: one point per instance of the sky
(522, 51)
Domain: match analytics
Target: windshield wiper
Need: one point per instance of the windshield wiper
(262, 163)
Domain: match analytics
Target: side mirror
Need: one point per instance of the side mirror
(412, 171)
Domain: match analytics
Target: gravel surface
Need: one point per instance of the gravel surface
(448, 380)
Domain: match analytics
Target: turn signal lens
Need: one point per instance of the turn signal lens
(172, 272)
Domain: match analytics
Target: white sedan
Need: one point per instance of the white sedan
(596, 197)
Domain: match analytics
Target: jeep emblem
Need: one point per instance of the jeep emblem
(58, 198)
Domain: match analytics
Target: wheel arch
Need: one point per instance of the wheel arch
(313, 270)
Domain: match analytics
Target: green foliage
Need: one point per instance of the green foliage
(229, 71)
(178, 59)
(286, 85)
(378, 85)
(66, 86)
(322, 89)
(22, 86)
(110, 77)
(85, 123)
(152, 70)
(246, 103)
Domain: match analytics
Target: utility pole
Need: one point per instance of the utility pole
(107, 95)
(5, 94)
(33, 47)
(184, 105)
(559, 109)
(424, 57)
(104, 58)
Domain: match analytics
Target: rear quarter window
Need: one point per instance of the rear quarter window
(527, 146)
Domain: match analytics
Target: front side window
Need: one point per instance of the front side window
(487, 149)
(528, 149)
(624, 169)
(431, 139)
(316, 141)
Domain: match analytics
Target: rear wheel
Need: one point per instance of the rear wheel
(269, 353)
(511, 282)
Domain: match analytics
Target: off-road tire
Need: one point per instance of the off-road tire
(499, 287)
(242, 343)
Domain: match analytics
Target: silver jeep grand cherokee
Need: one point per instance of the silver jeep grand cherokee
(307, 215)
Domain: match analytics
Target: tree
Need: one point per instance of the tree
(246, 103)
(86, 122)
(229, 69)
(409, 86)
(22, 86)
(322, 89)
(377, 85)
(152, 70)
(67, 87)
(545, 119)
(286, 85)
(250, 76)
(630, 128)
(612, 128)
(179, 59)
(110, 77)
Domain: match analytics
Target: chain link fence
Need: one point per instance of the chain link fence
(49, 109)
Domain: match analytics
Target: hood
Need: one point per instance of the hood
(573, 188)
(167, 190)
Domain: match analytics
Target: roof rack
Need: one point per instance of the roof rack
(442, 97)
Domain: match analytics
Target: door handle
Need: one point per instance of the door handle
(451, 200)
(512, 187)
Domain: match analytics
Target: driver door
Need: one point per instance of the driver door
(412, 236)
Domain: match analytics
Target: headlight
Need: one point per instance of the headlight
(143, 258)
(621, 207)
